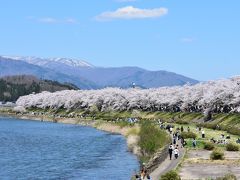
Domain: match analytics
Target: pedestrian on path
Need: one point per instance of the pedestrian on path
(182, 129)
(176, 152)
(171, 130)
(143, 173)
(194, 143)
(174, 140)
(182, 142)
(203, 134)
(148, 177)
(170, 151)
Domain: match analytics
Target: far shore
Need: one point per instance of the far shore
(132, 140)
(98, 124)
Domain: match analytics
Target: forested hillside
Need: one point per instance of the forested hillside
(12, 87)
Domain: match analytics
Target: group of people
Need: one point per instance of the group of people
(223, 139)
(200, 129)
(144, 175)
(173, 149)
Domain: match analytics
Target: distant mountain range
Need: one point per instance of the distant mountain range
(87, 76)
(11, 87)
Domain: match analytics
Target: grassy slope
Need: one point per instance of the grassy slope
(227, 122)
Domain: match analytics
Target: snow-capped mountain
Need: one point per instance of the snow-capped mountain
(77, 63)
(87, 76)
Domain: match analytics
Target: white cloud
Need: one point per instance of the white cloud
(125, 0)
(131, 12)
(187, 40)
(71, 21)
(51, 20)
(48, 20)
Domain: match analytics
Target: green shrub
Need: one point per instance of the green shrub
(209, 125)
(151, 138)
(234, 130)
(232, 147)
(209, 146)
(123, 124)
(228, 177)
(171, 175)
(217, 154)
(188, 135)
(180, 121)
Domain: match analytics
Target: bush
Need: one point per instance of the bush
(171, 175)
(235, 130)
(232, 147)
(151, 138)
(228, 177)
(217, 154)
(180, 121)
(188, 135)
(209, 146)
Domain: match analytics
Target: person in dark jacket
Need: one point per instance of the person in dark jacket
(170, 151)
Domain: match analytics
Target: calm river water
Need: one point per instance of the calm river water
(44, 150)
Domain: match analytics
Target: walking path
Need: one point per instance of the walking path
(167, 165)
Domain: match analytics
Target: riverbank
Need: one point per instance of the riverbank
(130, 132)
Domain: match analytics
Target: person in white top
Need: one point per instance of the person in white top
(176, 152)
(203, 134)
(170, 130)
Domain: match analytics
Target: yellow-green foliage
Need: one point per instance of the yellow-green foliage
(217, 154)
(133, 131)
(232, 147)
(228, 177)
(171, 175)
(188, 135)
(151, 138)
(209, 146)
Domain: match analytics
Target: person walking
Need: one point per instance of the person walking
(148, 177)
(170, 129)
(203, 134)
(176, 152)
(142, 174)
(174, 140)
(170, 151)
(182, 129)
(194, 143)
(182, 142)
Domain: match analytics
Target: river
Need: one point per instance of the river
(44, 150)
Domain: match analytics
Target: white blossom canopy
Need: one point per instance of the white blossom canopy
(219, 96)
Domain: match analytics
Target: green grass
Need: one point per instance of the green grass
(133, 131)
(200, 144)
(225, 121)
(229, 123)
(151, 139)
(209, 133)
(123, 124)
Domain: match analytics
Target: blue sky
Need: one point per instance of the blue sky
(199, 39)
